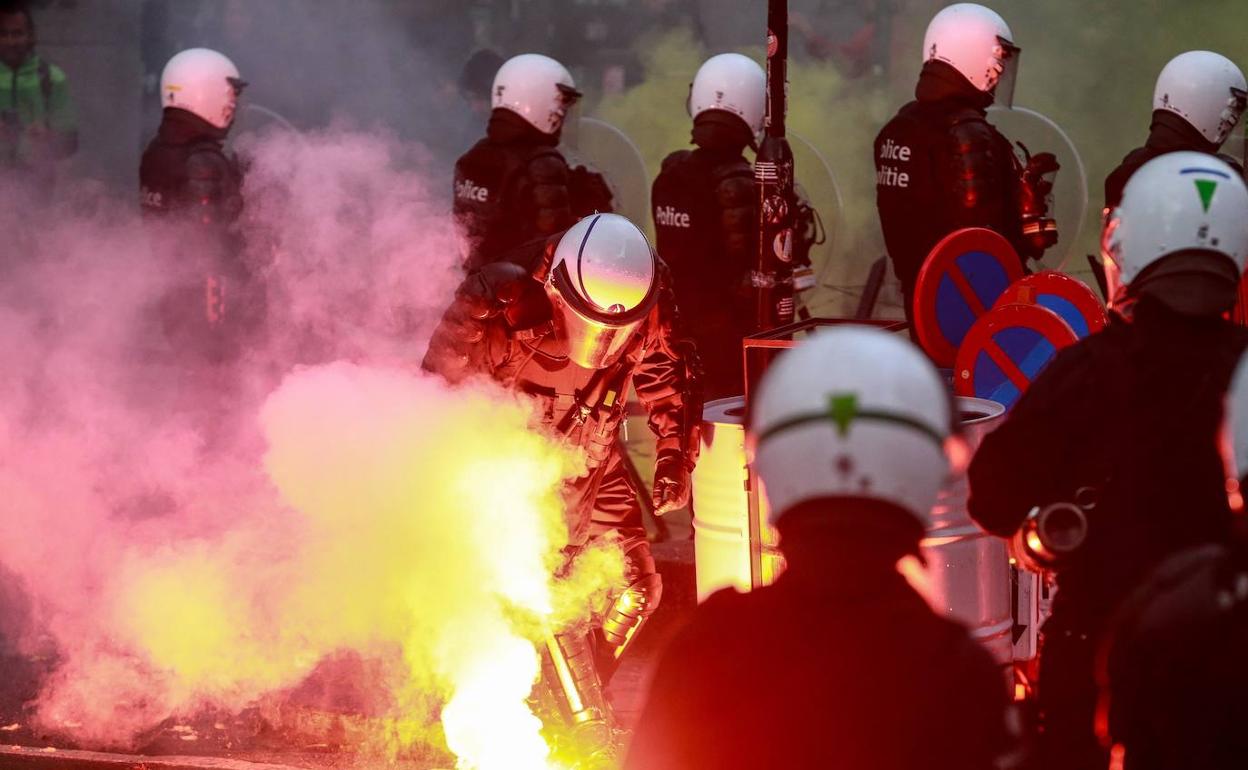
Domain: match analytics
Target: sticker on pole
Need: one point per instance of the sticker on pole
(961, 279)
(1069, 297)
(1006, 350)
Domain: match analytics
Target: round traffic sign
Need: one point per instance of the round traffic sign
(1069, 297)
(960, 280)
(1006, 350)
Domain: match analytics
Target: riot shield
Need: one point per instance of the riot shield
(253, 118)
(1070, 192)
(816, 185)
(608, 150)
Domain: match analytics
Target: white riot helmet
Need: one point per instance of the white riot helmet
(978, 43)
(602, 284)
(855, 412)
(537, 88)
(732, 83)
(203, 82)
(1204, 88)
(1182, 218)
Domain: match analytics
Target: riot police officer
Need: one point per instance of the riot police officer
(187, 181)
(1197, 102)
(514, 185)
(705, 215)
(184, 170)
(583, 320)
(1124, 424)
(941, 166)
(840, 663)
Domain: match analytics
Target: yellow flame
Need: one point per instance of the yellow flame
(410, 517)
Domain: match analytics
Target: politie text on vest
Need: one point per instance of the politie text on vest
(889, 176)
(670, 217)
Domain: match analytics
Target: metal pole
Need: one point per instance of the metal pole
(773, 170)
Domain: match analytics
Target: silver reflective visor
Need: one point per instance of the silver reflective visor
(1003, 92)
(595, 337)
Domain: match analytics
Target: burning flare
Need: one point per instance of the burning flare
(401, 515)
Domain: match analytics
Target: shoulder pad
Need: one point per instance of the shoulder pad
(498, 276)
(734, 170)
(966, 115)
(737, 189)
(509, 289)
(675, 158)
(975, 133)
(206, 161)
(547, 164)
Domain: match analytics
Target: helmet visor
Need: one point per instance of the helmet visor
(1115, 291)
(569, 97)
(1005, 56)
(595, 337)
(1230, 116)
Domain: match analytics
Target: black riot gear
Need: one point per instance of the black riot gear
(1168, 133)
(706, 229)
(185, 172)
(941, 166)
(1172, 669)
(515, 186)
(505, 324)
(840, 663)
(1132, 413)
(215, 303)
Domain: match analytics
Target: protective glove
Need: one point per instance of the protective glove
(1036, 201)
(672, 484)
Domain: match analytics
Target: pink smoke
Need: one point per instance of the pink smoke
(108, 451)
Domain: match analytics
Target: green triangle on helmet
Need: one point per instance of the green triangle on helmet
(1206, 188)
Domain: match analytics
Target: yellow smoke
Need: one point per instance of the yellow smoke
(413, 523)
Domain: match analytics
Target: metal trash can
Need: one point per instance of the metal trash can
(721, 523)
(968, 570)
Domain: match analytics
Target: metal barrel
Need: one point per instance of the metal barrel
(968, 570)
(721, 524)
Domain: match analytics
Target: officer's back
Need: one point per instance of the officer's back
(940, 165)
(1125, 423)
(213, 304)
(184, 171)
(1197, 101)
(514, 186)
(839, 663)
(705, 216)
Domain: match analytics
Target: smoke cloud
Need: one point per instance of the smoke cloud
(200, 528)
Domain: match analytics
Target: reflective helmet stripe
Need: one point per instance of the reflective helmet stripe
(842, 410)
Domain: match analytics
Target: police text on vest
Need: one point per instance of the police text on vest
(889, 176)
(468, 190)
(670, 217)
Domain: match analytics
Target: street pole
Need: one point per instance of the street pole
(773, 170)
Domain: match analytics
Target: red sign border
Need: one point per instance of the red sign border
(1062, 285)
(979, 339)
(941, 261)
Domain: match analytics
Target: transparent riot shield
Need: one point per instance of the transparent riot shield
(816, 185)
(1236, 146)
(1070, 191)
(253, 118)
(606, 149)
